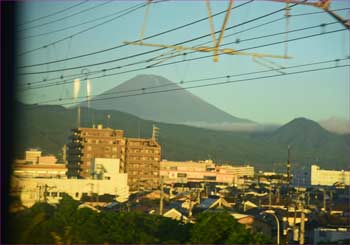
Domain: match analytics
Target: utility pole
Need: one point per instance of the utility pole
(324, 200)
(270, 196)
(64, 151)
(161, 195)
(302, 222)
(91, 191)
(288, 168)
(190, 206)
(302, 226)
(278, 196)
(45, 193)
(330, 201)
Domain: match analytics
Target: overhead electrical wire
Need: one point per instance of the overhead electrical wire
(140, 54)
(84, 30)
(123, 45)
(80, 24)
(215, 84)
(132, 56)
(259, 46)
(202, 79)
(65, 17)
(319, 12)
(52, 14)
(152, 51)
(235, 33)
(171, 63)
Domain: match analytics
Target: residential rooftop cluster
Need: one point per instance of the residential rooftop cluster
(105, 170)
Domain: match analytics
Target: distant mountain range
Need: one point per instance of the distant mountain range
(177, 107)
(48, 127)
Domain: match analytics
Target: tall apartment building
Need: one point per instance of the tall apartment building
(89, 143)
(140, 158)
(142, 163)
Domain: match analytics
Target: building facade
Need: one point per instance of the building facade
(40, 171)
(203, 171)
(108, 180)
(89, 143)
(329, 177)
(140, 158)
(142, 163)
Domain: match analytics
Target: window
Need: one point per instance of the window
(77, 194)
(210, 177)
(181, 175)
(54, 194)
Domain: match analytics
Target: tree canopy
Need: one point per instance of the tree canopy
(65, 223)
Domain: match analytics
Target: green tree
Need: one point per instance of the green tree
(222, 228)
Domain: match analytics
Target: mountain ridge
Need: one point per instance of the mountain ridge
(181, 142)
(179, 106)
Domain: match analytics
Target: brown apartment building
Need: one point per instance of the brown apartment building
(140, 158)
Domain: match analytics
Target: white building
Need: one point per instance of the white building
(108, 180)
(329, 235)
(203, 171)
(328, 177)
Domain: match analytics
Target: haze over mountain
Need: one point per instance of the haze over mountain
(335, 124)
(49, 127)
(179, 107)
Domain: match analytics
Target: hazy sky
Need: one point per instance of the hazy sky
(315, 95)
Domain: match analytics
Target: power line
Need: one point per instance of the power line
(65, 17)
(84, 30)
(175, 62)
(52, 14)
(319, 12)
(123, 45)
(216, 83)
(80, 24)
(259, 46)
(235, 33)
(140, 54)
(152, 51)
(204, 79)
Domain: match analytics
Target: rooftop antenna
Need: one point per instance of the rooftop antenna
(88, 92)
(288, 167)
(76, 93)
(155, 133)
(108, 117)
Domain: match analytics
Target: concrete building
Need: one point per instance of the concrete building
(40, 171)
(32, 155)
(203, 171)
(89, 143)
(142, 163)
(329, 177)
(139, 158)
(108, 180)
(331, 235)
(37, 166)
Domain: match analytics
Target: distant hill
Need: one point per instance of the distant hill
(179, 107)
(337, 125)
(48, 127)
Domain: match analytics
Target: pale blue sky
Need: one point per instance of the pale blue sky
(316, 95)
